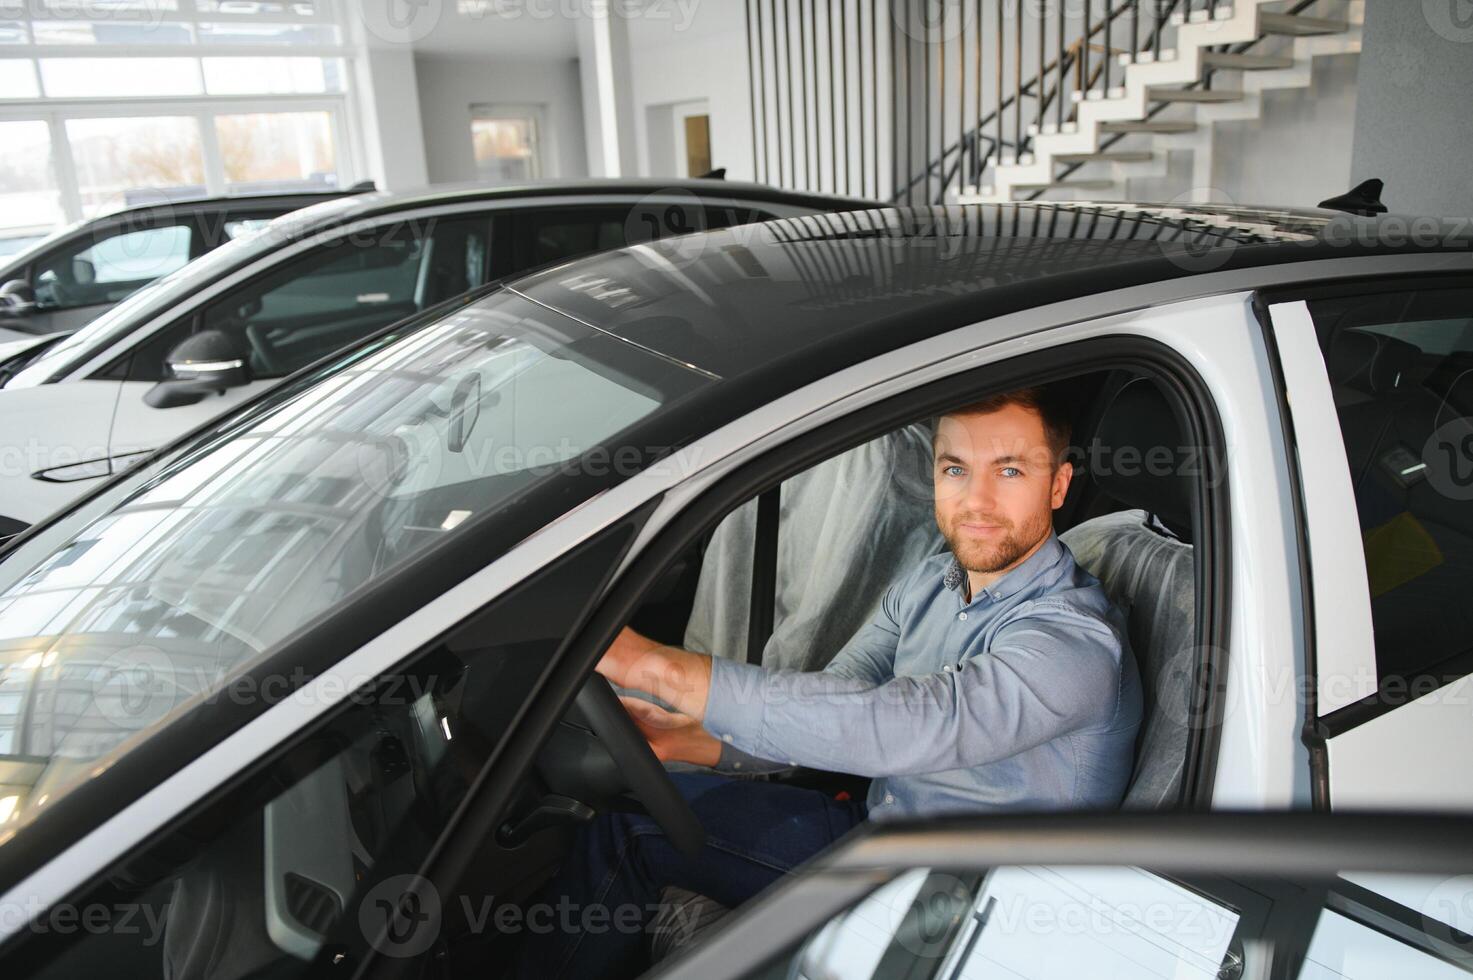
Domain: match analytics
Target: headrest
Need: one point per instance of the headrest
(1141, 459)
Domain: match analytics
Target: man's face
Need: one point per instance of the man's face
(996, 486)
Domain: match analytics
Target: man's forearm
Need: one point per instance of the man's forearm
(680, 678)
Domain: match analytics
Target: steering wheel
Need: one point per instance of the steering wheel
(261, 347)
(648, 780)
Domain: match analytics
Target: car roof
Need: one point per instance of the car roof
(831, 289)
(383, 201)
(228, 202)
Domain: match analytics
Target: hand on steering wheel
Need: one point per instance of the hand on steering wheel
(672, 736)
(648, 780)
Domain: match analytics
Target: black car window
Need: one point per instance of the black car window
(555, 234)
(1401, 373)
(106, 268)
(297, 865)
(315, 304)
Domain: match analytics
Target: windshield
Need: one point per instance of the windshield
(126, 613)
(162, 293)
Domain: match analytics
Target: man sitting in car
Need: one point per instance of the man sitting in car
(995, 676)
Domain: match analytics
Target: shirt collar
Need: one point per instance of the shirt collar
(955, 577)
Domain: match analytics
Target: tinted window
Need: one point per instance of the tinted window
(564, 233)
(310, 306)
(1401, 371)
(112, 267)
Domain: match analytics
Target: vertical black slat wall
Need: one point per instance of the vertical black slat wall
(820, 94)
(878, 98)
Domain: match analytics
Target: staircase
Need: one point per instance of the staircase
(1091, 133)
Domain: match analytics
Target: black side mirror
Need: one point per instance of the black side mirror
(17, 297)
(207, 362)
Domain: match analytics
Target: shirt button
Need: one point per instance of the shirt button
(889, 798)
(961, 615)
(726, 738)
(736, 765)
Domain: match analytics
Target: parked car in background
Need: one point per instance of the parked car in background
(59, 284)
(346, 635)
(307, 285)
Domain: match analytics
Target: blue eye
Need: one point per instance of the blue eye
(1011, 471)
(953, 471)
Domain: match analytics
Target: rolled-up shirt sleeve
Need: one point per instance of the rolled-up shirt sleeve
(1052, 670)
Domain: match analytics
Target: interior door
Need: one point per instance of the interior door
(1380, 385)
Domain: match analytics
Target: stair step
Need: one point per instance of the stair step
(1147, 126)
(1193, 95)
(1108, 156)
(1293, 24)
(1074, 185)
(1245, 62)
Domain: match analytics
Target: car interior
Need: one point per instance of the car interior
(1401, 375)
(273, 876)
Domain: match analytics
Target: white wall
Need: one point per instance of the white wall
(1297, 153)
(450, 83)
(674, 60)
(1412, 126)
(389, 117)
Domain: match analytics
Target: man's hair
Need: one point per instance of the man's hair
(1039, 400)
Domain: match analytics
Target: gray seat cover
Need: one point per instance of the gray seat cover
(1151, 575)
(847, 528)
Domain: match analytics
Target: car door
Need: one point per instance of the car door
(1379, 381)
(302, 860)
(305, 307)
(82, 278)
(1063, 899)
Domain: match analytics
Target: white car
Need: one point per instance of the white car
(315, 280)
(344, 637)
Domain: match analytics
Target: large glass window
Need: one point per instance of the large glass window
(179, 78)
(505, 143)
(1401, 371)
(117, 159)
(263, 151)
(29, 201)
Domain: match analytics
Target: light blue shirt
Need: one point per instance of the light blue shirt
(1027, 697)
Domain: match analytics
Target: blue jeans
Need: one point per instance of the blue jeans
(603, 897)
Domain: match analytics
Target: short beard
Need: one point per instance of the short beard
(985, 559)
